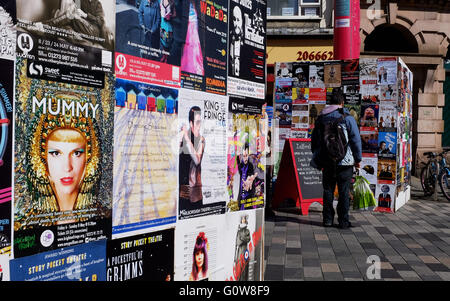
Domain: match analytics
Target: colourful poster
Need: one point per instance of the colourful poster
(387, 145)
(200, 242)
(246, 144)
(146, 257)
(202, 137)
(385, 195)
(243, 251)
(63, 163)
(145, 161)
(85, 262)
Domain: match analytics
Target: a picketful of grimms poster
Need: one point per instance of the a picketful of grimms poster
(63, 162)
(75, 33)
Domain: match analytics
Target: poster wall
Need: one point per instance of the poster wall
(63, 163)
(202, 126)
(145, 163)
(146, 257)
(85, 262)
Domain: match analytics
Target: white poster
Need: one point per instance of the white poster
(387, 71)
(242, 254)
(202, 136)
(385, 195)
(368, 169)
(4, 267)
(197, 247)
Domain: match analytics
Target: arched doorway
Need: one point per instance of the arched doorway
(391, 38)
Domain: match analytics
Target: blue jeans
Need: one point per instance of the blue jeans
(342, 177)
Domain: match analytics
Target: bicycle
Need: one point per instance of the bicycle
(429, 174)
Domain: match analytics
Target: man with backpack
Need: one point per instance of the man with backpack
(336, 147)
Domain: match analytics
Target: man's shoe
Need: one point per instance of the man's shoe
(327, 224)
(345, 225)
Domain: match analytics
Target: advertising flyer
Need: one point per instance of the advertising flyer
(4, 267)
(246, 144)
(300, 95)
(350, 72)
(332, 75)
(6, 143)
(300, 75)
(85, 262)
(314, 112)
(200, 242)
(369, 115)
(384, 196)
(369, 166)
(247, 50)
(146, 49)
(316, 75)
(202, 137)
(283, 112)
(63, 163)
(283, 70)
(386, 171)
(355, 111)
(283, 89)
(352, 94)
(387, 144)
(145, 156)
(387, 118)
(203, 32)
(300, 116)
(370, 90)
(7, 29)
(76, 33)
(387, 71)
(369, 139)
(388, 94)
(146, 257)
(243, 252)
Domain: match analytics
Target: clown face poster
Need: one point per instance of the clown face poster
(63, 163)
(202, 145)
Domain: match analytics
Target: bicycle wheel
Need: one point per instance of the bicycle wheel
(427, 179)
(444, 182)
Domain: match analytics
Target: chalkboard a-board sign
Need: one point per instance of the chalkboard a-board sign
(296, 179)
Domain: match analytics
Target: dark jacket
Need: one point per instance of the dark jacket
(354, 151)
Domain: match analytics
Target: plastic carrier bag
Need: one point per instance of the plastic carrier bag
(363, 197)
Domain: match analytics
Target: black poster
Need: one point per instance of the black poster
(146, 257)
(247, 47)
(6, 129)
(309, 178)
(203, 31)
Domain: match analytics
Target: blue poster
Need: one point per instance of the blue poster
(387, 144)
(85, 262)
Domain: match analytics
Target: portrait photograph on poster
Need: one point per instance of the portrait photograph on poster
(55, 121)
(369, 140)
(332, 75)
(145, 163)
(300, 75)
(316, 75)
(385, 195)
(246, 144)
(387, 144)
(369, 115)
(202, 137)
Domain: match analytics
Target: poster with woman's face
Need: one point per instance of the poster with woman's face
(63, 155)
(198, 249)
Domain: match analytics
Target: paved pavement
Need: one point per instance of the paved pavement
(413, 244)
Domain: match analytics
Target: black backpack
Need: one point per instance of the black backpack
(333, 143)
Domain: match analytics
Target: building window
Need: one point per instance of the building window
(294, 8)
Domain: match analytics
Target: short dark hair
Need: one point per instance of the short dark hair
(337, 97)
(192, 112)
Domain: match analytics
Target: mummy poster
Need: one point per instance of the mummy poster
(8, 29)
(247, 134)
(145, 156)
(145, 257)
(63, 163)
(244, 246)
(6, 148)
(247, 51)
(200, 243)
(75, 33)
(85, 262)
(202, 140)
(204, 44)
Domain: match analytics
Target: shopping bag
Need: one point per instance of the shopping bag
(363, 197)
